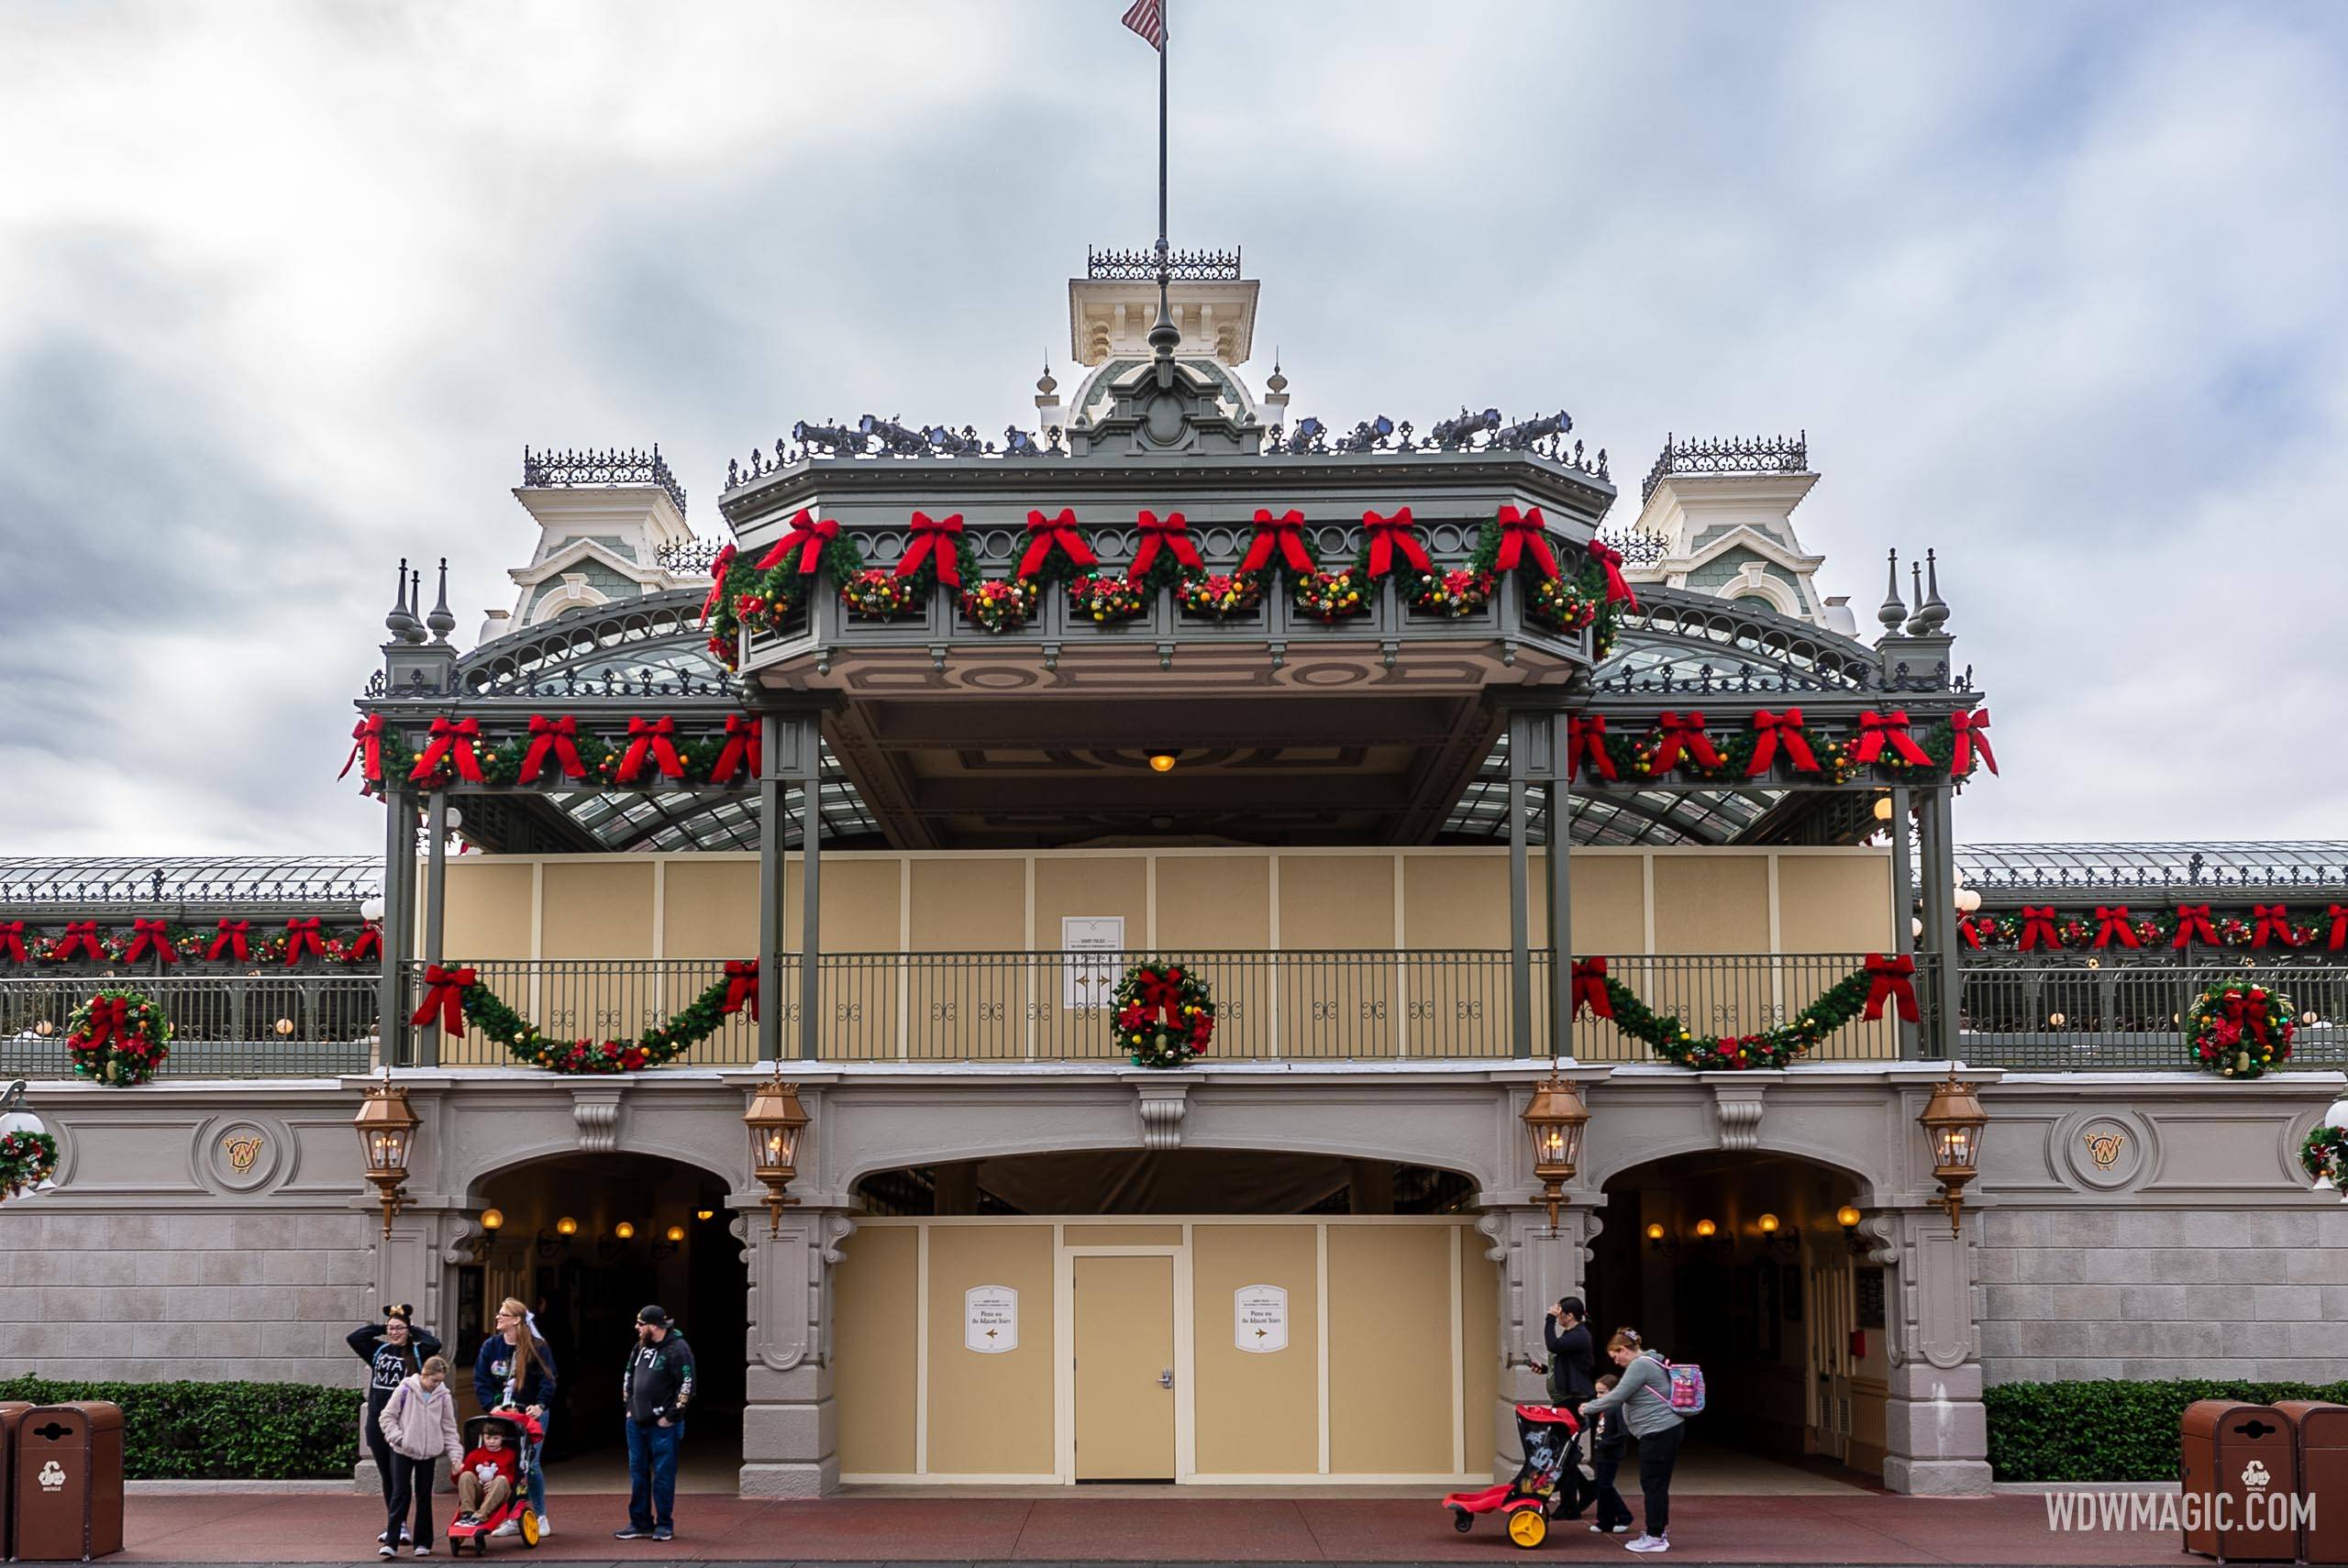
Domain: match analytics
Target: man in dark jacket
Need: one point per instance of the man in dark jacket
(657, 1388)
(391, 1349)
(1572, 1362)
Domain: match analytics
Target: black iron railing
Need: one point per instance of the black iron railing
(2063, 1017)
(273, 1024)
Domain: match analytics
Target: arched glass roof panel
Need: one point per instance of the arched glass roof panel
(2282, 863)
(204, 878)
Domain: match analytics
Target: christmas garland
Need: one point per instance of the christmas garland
(2115, 926)
(2239, 1030)
(457, 997)
(1593, 596)
(995, 606)
(1108, 599)
(1683, 744)
(556, 754)
(1220, 596)
(2324, 1154)
(1164, 1014)
(118, 1038)
(764, 597)
(170, 944)
(1858, 996)
(27, 1160)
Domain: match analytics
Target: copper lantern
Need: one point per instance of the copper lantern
(775, 1120)
(1556, 1118)
(386, 1138)
(1952, 1121)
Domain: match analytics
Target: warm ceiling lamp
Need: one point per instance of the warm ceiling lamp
(1706, 1229)
(566, 1226)
(493, 1218)
(1883, 808)
(676, 1233)
(1655, 1230)
(1848, 1217)
(705, 1215)
(1769, 1224)
(625, 1230)
(1162, 760)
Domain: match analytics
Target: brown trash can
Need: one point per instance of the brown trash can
(11, 1411)
(2322, 1432)
(2234, 1457)
(66, 1477)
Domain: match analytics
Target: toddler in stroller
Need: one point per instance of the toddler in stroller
(500, 1449)
(1547, 1433)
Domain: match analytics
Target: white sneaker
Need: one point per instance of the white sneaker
(1648, 1543)
(511, 1526)
(545, 1527)
(1607, 1529)
(387, 1550)
(407, 1536)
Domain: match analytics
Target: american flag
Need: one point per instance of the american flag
(1147, 18)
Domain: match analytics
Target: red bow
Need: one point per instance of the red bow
(558, 736)
(368, 943)
(1161, 991)
(1387, 535)
(1169, 531)
(444, 993)
(1966, 929)
(1589, 988)
(717, 569)
(2339, 913)
(1972, 731)
(229, 941)
(1047, 534)
(2038, 926)
(2115, 924)
(302, 939)
(452, 738)
(740, 754)
(1775, 729)
(2193, 925)
(1889, 980)
(149, 936)
(934, 540)
(367, 743)
(741, 987)
(2274, 921)
(81, 935)
(1878, 729)
(1611, 558)
(1680, 732)
(654, 738)
(12, 939)
(808, 537)
(1283, 535)
(1587, 738)
(1521, 534)
(109, 1021)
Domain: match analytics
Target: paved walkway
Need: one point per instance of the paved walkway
(1850, 1527)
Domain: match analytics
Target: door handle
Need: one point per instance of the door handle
(1166, 1378)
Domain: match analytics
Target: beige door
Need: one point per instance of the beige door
(1125, 1368)
(1833, 1310)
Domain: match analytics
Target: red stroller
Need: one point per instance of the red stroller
(523, 1435)
(1547, 1433)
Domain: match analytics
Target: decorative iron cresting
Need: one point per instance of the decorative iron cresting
(1182, 266)
(1728, 454)
(576, 470)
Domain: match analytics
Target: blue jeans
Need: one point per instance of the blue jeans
(538, 1480)
(652, 1474)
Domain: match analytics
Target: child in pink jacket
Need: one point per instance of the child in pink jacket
(419, 1422)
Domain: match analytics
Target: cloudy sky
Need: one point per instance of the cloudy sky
(2057, 289)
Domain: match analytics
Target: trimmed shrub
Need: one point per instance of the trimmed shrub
(236, 1432)
(2111, 1431)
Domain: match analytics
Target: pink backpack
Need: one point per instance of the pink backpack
(1687, 1387)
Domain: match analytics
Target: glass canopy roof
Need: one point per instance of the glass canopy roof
(211, 878)
(2234, 864)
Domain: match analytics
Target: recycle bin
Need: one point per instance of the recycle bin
(2322, 1432)
(2235, 1458)
(11, 1411)
(65, 1478)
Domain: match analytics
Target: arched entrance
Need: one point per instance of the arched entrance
(587, 1240)
(1736, 1261)
(1166, 1316)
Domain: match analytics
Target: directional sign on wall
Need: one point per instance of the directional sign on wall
(1091, 981)
(991, 1319)
(1260, 1319)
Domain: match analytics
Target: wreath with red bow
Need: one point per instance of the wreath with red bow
(2324, 1154)
(1164, 1014)
(118, 1038)
(27, 1160)
(455, 997)
(2238, 1030)
(764, 595)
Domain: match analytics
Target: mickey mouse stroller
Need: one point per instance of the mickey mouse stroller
(523, 1435)
(1546, 1434)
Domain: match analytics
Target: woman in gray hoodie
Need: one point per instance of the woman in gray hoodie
(1643, 1395)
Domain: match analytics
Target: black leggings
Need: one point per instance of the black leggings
(412, 1478)
(380, 1450)
(1657, 1455)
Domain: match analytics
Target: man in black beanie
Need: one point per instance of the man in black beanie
(658, 1385)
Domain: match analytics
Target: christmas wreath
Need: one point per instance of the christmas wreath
(764, 596)
(1452, 591)
(1107, 598)
(1164, 1014)
(1330, 597)
(1222, 596)
(2238, 1030)
(998, 606)
(118, 1038)
(1862, 994)
(1595, 595)
(457, 997)
(27, 1160)
(2324, 1154)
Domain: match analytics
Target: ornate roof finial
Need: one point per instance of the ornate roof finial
(413, 631)
(442, 621)
(1934, 611)
(399, 620)
(1915, 627)
(1276, 382)
(1045, 383)
(1892, 612)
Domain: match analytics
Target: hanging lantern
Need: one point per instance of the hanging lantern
(1555, 1116)
(775, 1121)
(1952, 1121)
(386, 1137)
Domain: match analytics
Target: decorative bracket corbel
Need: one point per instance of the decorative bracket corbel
(1163, 1107)
(596, 1111)
(1736, 1108)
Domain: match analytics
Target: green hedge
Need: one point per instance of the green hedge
(244, 1431)
(2110, 1430)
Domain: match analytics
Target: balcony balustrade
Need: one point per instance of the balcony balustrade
(273, 1024)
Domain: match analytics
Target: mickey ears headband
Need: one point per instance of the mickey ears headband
(403, 1311)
